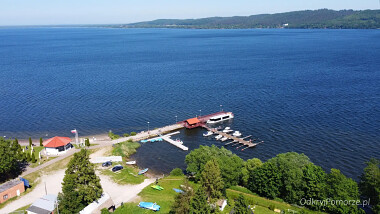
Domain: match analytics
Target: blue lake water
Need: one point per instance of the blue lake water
(310, 91)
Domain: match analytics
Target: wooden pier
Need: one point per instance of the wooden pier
(236, 140)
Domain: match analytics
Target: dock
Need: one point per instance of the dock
(171, 141)
(236, 140)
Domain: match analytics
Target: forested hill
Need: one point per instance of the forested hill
(324, 18)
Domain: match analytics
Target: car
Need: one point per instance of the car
(107, 164)
(117, 168)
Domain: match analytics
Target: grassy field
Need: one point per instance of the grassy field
(125, 149)
(164, 198)
(262, 204)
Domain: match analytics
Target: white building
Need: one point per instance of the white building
(57, 145)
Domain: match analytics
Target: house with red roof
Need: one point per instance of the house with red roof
(57, 145)
(192, 123)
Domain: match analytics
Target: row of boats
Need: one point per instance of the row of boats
(221, 137)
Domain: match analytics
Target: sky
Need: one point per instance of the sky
(57, 12)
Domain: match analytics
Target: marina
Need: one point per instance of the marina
(199, 121)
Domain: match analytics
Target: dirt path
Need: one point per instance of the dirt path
(53, 186)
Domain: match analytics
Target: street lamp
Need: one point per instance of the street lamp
(200, 113)
(176, 119)
(148, 126)
(221, 109)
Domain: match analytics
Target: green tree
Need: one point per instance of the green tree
(182, 201)
(248, 168)
(241, 205)
(314, 184)
(104, 211)
(87, 142)
(81, 186)
(198, 204)
(33, 158)
(41, 142)
(339, 187)
(265, 180)
(212, 180)
(369, 184)
(30, 142)
(10, 159)
(176, 172)
(229, 163)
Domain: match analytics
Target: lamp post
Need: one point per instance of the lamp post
(200, 113)
(176, 119)
(148, 126)
(221, 107)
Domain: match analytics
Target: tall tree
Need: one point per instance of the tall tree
(370, 183)
(182, 201)
(10, 159)
(198, 204)
(229, 163)
(314, 185)
(241, 205)
(30, 142)
(339, 187)
(81, 186)
(249, 166)
(41, 141)
(212, 180)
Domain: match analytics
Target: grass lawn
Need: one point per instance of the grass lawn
(128, 175)
(125, 149)
(164, 198)
(262, 204)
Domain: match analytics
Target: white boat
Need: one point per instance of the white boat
(218, 137)
(224, 139)
(130, 162)
(209, 133)
(227, 130)
(236, 134)
(221, 117)
(179, 141)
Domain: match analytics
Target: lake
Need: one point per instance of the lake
(309, 91)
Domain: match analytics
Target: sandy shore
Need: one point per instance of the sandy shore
(97, 137)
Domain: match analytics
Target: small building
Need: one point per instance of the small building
(44, 205)
(57, 145)
(11, 189)
(192, 123)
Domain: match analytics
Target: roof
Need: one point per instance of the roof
(192, 121)
(94, 205)
(56, 142)
(9, 184)
(44, 205)
(38, 210)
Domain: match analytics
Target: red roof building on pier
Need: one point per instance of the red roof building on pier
(192, 123)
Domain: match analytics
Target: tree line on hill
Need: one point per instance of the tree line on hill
(291, 177)
(323, 18)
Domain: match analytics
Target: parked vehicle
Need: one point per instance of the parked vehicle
(107, 164)
(117, 168)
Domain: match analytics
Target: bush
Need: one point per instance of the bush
(176, 172)
(272, 207)
(133, 133)
(87, 142)
(126, 135)
(113, 136)
(104, 211)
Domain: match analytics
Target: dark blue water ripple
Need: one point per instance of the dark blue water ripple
(309, 91)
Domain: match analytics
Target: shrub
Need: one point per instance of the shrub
(126, 135)
(133, 133)
(176, 172)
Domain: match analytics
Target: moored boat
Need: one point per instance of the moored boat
(224, 139)
(218, 137)
(141, 172)
(149, 205)
(130, 162)
(209, 133)
(221, 117)
(227, 130)
(236, 134)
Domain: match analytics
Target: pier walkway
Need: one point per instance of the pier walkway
(235, 139)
